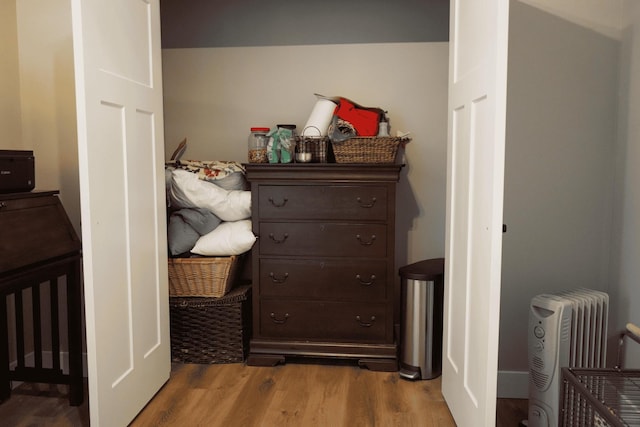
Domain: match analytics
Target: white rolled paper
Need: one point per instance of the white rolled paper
(320, 118)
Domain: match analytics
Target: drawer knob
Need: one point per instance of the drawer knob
(364, 242)
(366, 324)
(366, 205)
(364, 283)
(278, 205)
(275, 279)
(274, 319)
(284, 237)
(3, 205)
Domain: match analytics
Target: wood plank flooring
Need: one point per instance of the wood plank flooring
(294, 394)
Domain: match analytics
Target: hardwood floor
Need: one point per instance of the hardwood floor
(297, 395)
(42, 405)
(510, 412)
(294, 394)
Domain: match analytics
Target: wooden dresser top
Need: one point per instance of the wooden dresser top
(34, 230)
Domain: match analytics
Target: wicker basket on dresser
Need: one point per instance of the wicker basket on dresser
(323, 265)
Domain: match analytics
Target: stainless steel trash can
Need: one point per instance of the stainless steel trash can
(421, 321)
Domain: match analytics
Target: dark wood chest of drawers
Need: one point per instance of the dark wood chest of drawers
(323, 265)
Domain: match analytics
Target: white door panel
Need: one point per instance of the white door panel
(475, 175)
(121, 149)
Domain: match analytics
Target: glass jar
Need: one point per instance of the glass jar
(258, 145)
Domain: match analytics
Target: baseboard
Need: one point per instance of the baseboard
(47, 362)
(513, 385)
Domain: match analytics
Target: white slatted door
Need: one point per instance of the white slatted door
(121, 157)
(475, 180)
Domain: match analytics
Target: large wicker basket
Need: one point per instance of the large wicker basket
(202, 277)
(367, 150)
(211, 330)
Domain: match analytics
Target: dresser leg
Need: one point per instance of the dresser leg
(383, 365)
(265, 359)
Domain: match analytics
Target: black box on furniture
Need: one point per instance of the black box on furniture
(17, 171)
(211, 330)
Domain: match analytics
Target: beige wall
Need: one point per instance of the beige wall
(38, 102)
(214, 95)
(47, 94)
(10, 122)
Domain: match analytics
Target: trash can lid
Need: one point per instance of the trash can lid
(427, 270)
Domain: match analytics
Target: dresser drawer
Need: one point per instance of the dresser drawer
(316, 320)
(359, 280)
(323, 202)
(323, 239)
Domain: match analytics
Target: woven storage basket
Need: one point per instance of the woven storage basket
(367, 150)
(211, 330)
(201, 277)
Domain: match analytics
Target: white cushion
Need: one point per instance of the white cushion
(187, 191)
(229, 238)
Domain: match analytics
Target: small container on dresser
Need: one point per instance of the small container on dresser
(323, 265)
(258, 145)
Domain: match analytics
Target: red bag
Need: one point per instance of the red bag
(364, 120)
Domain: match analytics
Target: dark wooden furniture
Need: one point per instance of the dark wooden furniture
(38, 250)
(323, 264)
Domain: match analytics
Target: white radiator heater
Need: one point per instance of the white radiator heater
(566, 329)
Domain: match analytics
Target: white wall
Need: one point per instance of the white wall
(10, 121)
(214, 95)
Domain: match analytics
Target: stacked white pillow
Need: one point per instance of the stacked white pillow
(229, 238)
(233, 236)
(188, 191)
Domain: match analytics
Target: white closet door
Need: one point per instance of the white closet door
(121, 157)
(475, 181)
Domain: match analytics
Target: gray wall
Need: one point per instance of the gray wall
(561, 131)
(626, 233)
(224, 23)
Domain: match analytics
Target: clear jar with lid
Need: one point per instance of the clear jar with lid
(258, 145)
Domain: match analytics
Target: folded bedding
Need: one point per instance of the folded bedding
(210, 208)
(186, 226)
(180, 236)
(225, 174)
(188, 191)
(201, 220)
